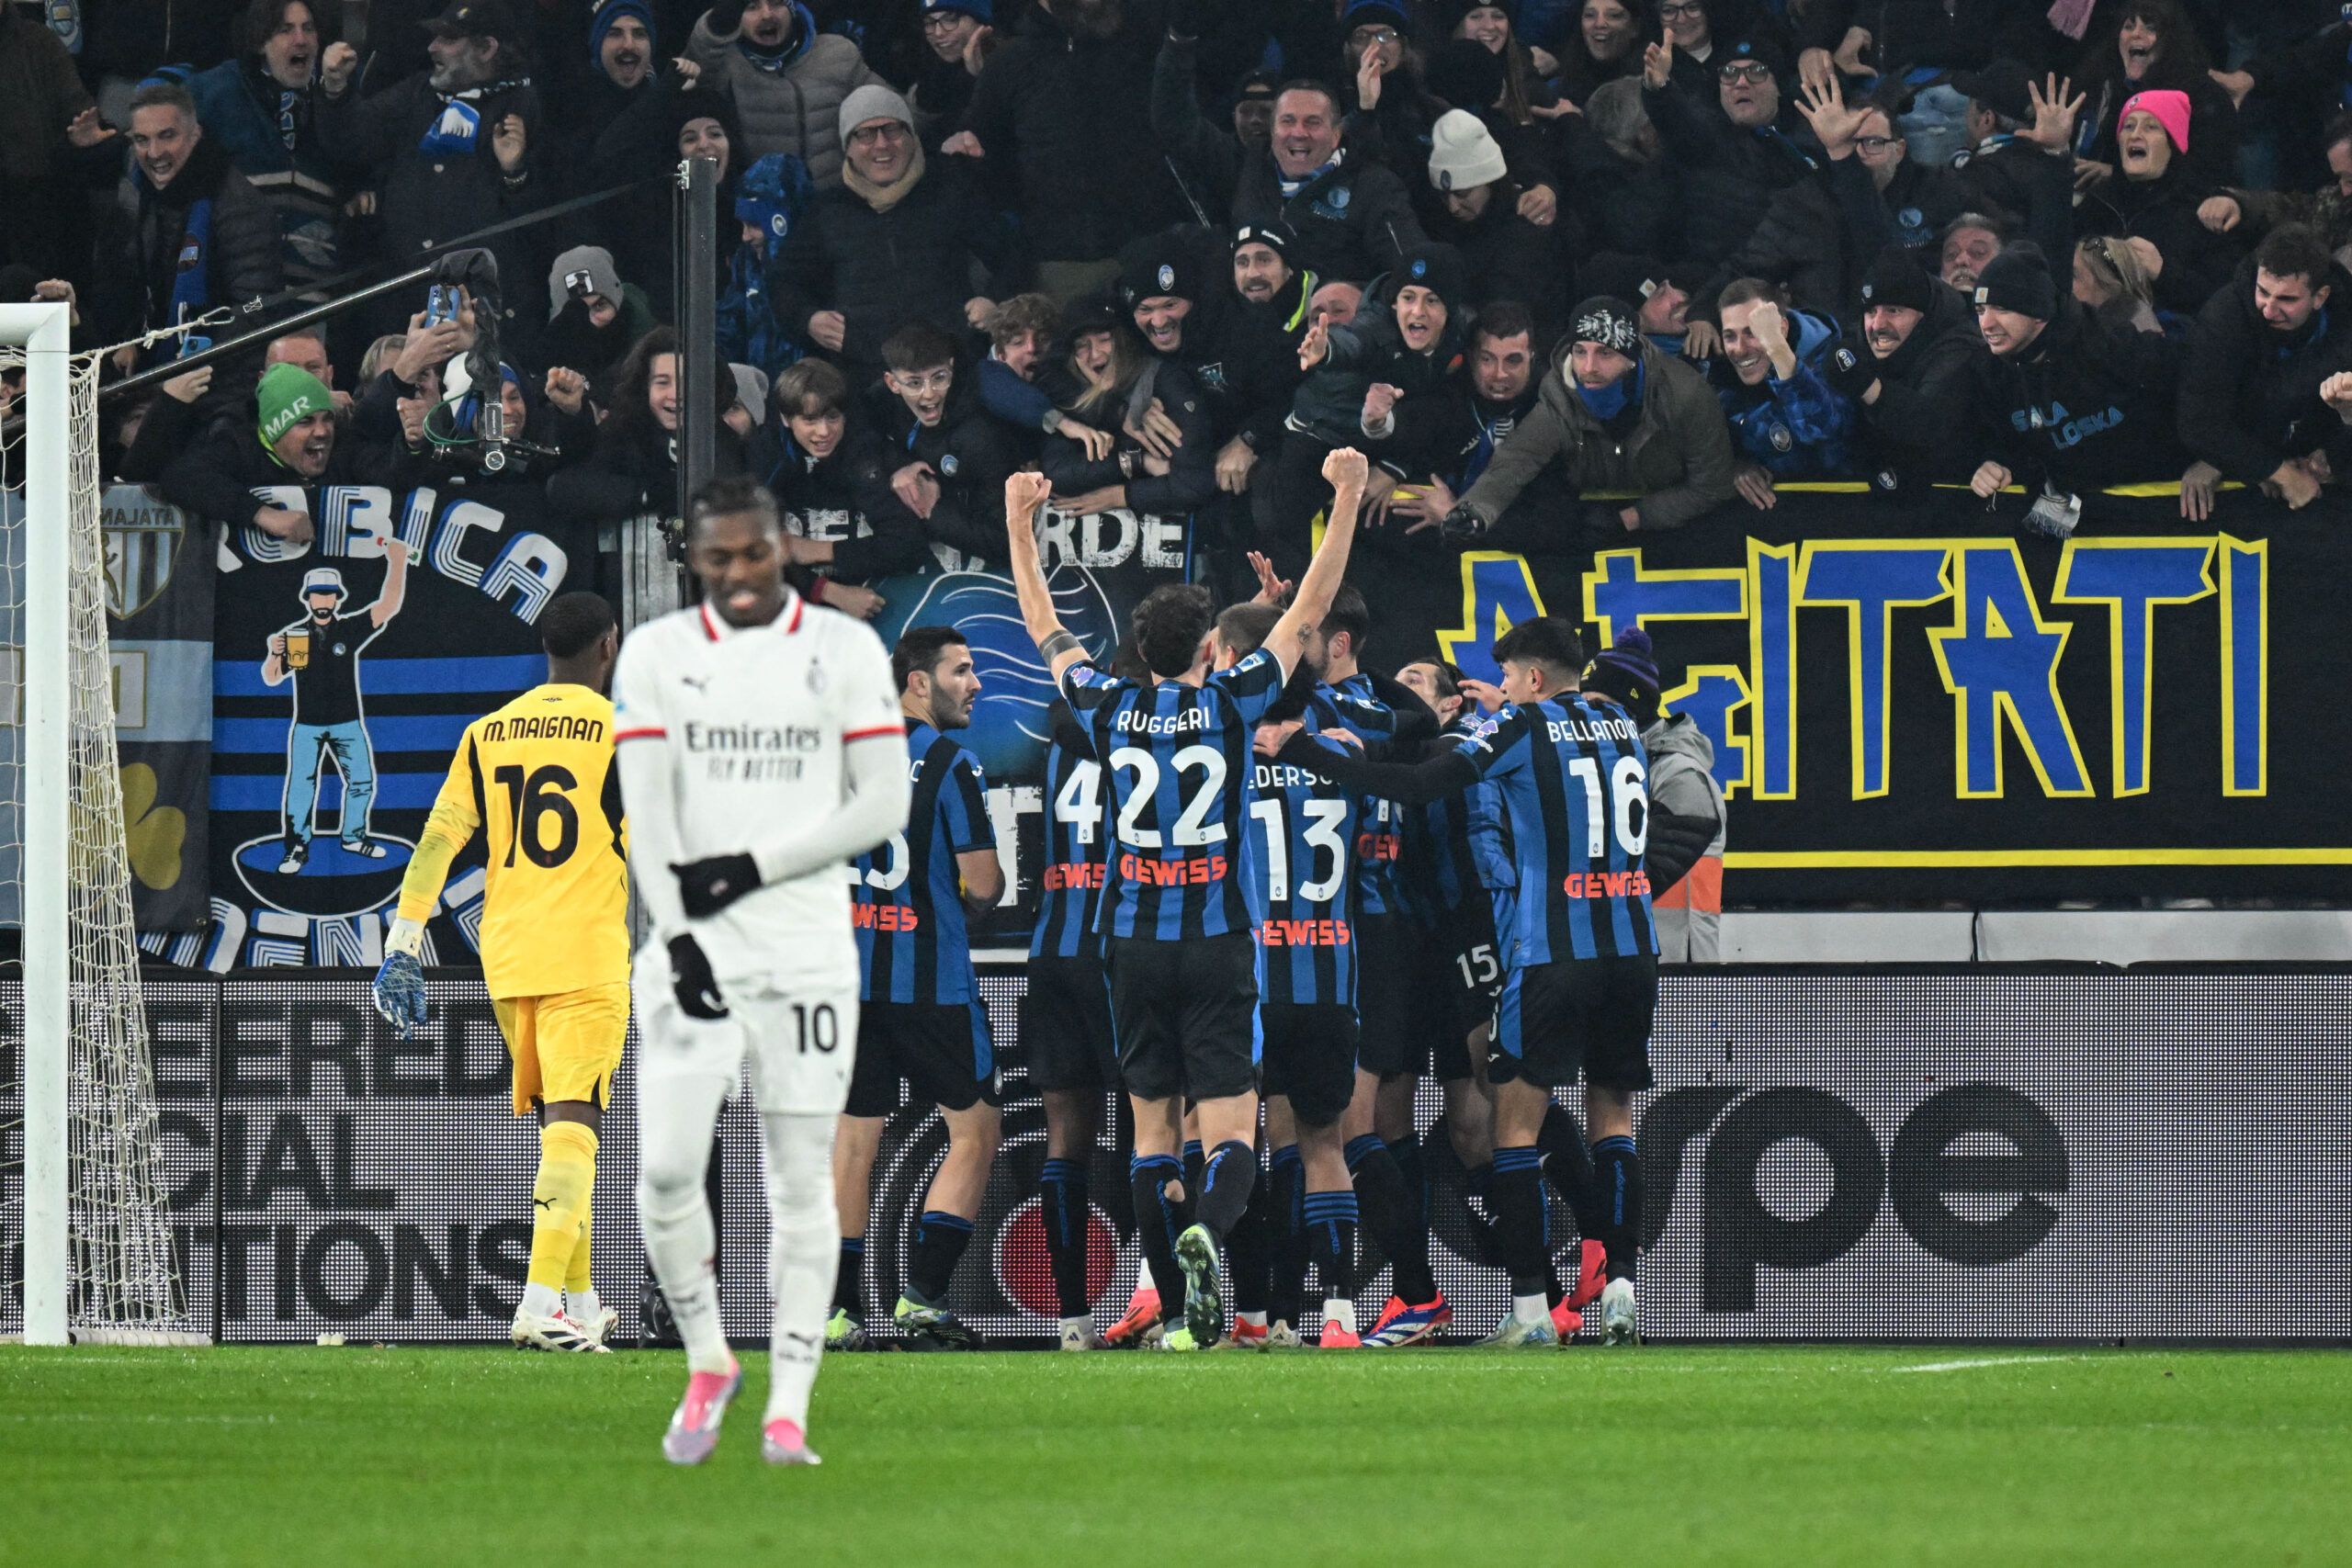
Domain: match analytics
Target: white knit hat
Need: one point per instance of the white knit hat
(1460, 153)
(873, 101)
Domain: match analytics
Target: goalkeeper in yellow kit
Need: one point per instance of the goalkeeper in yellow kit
(538, 777)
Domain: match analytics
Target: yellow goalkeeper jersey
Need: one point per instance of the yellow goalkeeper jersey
(539, 777)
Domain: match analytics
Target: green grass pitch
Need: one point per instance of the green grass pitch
(1813, 1456)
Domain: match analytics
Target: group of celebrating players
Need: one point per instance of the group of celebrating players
(1268, 872)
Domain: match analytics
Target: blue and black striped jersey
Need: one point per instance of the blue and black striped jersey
(1176, 761)
(1380, 830)
(1070, 887)
(1455, 849)
(912, 943)
(1303, 829)
(1575, 784)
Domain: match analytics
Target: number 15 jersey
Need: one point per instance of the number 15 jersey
(1176, 759)
(538, 777)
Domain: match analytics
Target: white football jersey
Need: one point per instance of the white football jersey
(753, 721)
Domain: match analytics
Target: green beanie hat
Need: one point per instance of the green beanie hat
(290, 394)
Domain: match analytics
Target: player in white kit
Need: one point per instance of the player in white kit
(760, 748)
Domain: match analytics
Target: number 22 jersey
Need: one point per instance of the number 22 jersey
(1176, 759)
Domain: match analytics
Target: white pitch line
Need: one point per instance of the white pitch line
(1989, 1361)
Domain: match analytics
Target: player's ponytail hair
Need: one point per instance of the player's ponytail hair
(1168, 626)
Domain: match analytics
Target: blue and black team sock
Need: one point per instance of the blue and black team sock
(1225, 1179)
(1331, 1242)
(1617, 1171)
(939, 1246)
(1158, 1221)
(1286, 1219)
(1195, 1161)
(1250, 1251)
(1388, 1216)
(1569, 1167)
(1517, 1199)
(1062, 1206)
(849, 1279)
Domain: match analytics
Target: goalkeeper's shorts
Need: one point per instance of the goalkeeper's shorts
(567, 1045)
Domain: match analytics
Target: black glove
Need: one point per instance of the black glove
(1851, 370)
(692, 982)
(1461, 526)
(710, 886)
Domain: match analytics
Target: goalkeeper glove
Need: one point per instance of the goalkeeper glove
(1461, 525)
(400, 984)
(692, 982)
(710, 886)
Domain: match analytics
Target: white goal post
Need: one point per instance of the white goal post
(44, 331)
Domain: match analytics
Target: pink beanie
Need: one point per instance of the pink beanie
(2169, 105)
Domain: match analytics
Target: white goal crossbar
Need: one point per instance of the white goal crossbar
(44, 331)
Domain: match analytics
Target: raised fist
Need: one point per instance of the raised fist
(1346, 469)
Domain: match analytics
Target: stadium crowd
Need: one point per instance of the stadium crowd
(1672, 253)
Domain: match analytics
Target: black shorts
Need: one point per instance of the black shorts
(1185, 1013)
(1478, 955)
(1441, 1036)
(1065, 1026)
(1383, 995)
(942, 1049)
(1592, 1015)
(1310, 1057)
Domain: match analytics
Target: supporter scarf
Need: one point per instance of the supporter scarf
(1608, 402)
(804, 30)
(1291, 187)
(884, 198)
(456, 132)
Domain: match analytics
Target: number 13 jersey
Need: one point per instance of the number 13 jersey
(538, 777)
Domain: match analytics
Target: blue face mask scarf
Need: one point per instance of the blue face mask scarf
(1608, 402)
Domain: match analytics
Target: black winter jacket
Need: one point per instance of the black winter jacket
(217, 475)
(2249, 395)
(2083, 407)
(2164, 212)
(1508, 257)
(148, 241)
(1915, 434)
(1065, 124)
(1190, 480)
(843, 500)
(881, 270)
(1725, 176)
(969, 452)
(1628, 207)
(1353, 221)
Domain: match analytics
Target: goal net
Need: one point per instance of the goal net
(120, 1282)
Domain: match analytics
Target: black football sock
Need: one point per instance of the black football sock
(1286, 1222)
(1569, 1167)
(1331, 1242)
(1062, 1206)
(1157, 1226)
(940, 1241)
(849, 1279)
(1388, 1216)
(1249, 1252)
(1226, 1177)
(1406, 1153)
(1617, 1168)
(1194, 1162)
(1479, 1183)
(1517, 1196)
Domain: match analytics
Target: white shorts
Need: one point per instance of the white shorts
(801, 1046)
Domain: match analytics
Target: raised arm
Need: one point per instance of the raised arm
(1025, 495)
(1346, 469)
(388, 602)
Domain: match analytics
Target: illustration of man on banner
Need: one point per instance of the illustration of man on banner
(320, 652)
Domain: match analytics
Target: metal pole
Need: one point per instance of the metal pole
(697, 232)
(45, 332)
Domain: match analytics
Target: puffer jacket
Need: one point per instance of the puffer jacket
(236, 103)
(1724, 175)
(1685, 799)
(1678, 457)
(1798, 429)
(208, 223)
(796, 109)
(1065, 124)
(1328, 404)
